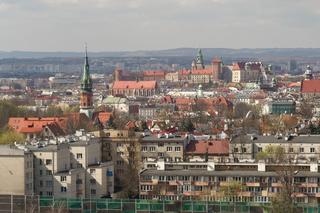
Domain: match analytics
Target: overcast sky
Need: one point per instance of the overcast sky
(113, 25)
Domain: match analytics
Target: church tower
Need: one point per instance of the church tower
(86, 99)
(199, 60)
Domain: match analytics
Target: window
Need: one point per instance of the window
(92, 181)
(79, 155)
(40, 161)
(92, 171)
(235, 149)
(177, 159)
(49, 172)
(301, 149)
(259, 149)
(291, 150)
(48, 183)
(152, 149)
(312, 150)
(63, 178)
(160, 154)
(48, 161)
(177, 149)
(49, 194)
(93, 191)
(40, 172)
(144, 149)
(119, 144)
(244, 150)
(41, 183)
(63, 189)
(120, 162)
(169, 149)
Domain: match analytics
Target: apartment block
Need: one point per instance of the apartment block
(256, 182)
(118, 147)
(16, 171)
(168, 147)
(302, 148)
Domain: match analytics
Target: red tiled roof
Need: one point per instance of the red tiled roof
(184, 101)
(134, 85)
(213, 147)
(184, 72)
(310, 86)
(26, 130)
(202, 72)
(294, 84)
(104, 116)
(154, 73)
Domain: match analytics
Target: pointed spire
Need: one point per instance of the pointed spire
(86, 82)
(86, 62)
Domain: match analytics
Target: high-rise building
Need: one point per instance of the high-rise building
(86, 98)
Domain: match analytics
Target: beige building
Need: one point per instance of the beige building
(71, 167)
(303, 148)
(86, 153)
(163, 147)
(245, 72)
(119, 146)
(172, 77)
(16, 171)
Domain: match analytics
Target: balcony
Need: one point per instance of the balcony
(171, 193)
(200, 183)
(308, 185)
(173, 183)
(276, 184)
(253, 184)
(299, 194)
(149, 182)
(246, 194)
(224, 183)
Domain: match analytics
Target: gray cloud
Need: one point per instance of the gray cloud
(157, 24)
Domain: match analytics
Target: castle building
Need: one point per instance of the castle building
(86, 99)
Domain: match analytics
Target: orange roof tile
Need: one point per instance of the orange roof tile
(310, 86)
(213, 147)
(154, 73)
(134, 85)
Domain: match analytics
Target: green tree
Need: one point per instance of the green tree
(10, 136)
(187, 125)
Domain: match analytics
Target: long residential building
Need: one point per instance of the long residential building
(256, 182)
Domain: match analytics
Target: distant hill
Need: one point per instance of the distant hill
(188, 52)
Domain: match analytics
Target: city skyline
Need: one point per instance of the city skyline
(129, 25)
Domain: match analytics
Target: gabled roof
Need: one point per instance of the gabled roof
(310, 86)
(134, 85)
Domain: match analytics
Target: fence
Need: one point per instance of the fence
(35, 204)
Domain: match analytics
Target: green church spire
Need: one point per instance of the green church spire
(199, 60)
(86, 81)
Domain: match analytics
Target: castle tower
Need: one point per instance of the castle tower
(216, 68)
(86, 99)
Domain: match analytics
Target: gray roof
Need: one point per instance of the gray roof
(154, 138)
(233, 173)
(273, 139)
(7, 150)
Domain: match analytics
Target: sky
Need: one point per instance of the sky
(127, 25)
